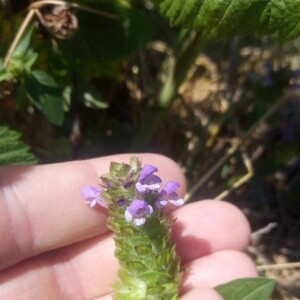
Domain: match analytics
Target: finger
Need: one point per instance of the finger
(88, 270)
(41, 208)
(201, 293)
(217, 268)
(91, 265)
(207, 226)
(85, 270)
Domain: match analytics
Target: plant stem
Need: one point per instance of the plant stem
(231, 151)
(18, 36)
(34, 9)
(183, 63)
(168, 92)
(292, 265)
(41, 3)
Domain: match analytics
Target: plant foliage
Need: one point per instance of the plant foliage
(247, 289)
(222, 18)
(12, 150)
(45, 94)
(62, 70)
(58, 77)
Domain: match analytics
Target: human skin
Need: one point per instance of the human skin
(54, 246)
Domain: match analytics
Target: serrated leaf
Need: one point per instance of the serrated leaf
(220, 18)
(45, 95)
(247, 289)
(12, 150)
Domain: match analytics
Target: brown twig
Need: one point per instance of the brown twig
(42, 3)
(242, 180)
(33, 10)
(292, 265)
(27, 20)
(235, 147)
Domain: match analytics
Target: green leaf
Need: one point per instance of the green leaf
(12, 150)
(23, 57)
(86, 94)
(247, 289)
(29, 59)
(4, 75)
(221, 18)
(23, 45)
(44, 79)
(45, 95)
(67, 96)
(102, 42)
(96, 102)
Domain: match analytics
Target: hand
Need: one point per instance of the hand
(54, 246)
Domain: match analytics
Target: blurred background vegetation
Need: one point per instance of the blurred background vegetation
(81, 83)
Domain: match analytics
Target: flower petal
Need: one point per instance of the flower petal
(101, 202)
(139, 222)
(128, 215)
(137, 212)
(177, 202)
(90, 192)
(140, 187)
(149, 209)
(136, 206)
(122, 202)
(170, 187)
(92, 203)
(146, 171)
(92, 196)
(152, 183)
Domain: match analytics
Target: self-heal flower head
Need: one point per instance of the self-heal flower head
(92, 196)
(168, 195)
(147, 181)
(129, 191)
(137, 212)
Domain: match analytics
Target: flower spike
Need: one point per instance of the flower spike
(149, 266)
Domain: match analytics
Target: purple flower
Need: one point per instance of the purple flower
(128, 184)
(92, 196)
(137, 212)
(147, 180)
(168, 195)
(122, 202)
